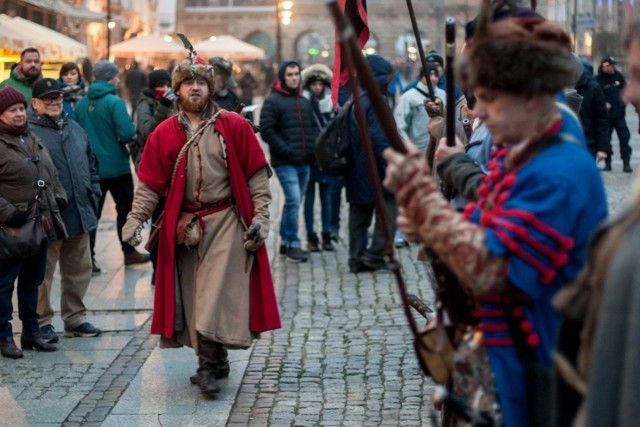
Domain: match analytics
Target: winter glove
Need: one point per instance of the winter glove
(434, 108)
(253, 238)
(16, 219)
(62, 203)
(132, 232)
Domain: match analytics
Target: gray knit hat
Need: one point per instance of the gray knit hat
(105, 70)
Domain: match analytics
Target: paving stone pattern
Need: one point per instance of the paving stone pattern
(344, 355)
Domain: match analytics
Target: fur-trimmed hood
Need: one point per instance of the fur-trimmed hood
(316, 72)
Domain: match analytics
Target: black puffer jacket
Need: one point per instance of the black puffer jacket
(288, 126)
(593, 114)
(613, 85)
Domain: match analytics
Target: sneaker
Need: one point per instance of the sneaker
(49, 334)
(84, 330)
(95, 267)
(136, 257)
(297, 254)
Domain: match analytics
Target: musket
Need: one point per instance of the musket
(359, 69)
(450, 52)
(423, 60)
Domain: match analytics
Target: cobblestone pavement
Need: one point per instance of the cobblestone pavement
(343, 357)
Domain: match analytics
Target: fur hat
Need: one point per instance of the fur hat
(314, 73)
(185, 70)
(9, 96)
(224, 68)
(105, 70)
(521, 56)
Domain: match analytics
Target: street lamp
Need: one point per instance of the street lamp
(110, 25)
(284, 12)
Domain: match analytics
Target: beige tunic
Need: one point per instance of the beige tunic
(213, 278)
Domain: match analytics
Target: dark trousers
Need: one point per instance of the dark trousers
(30, 274)
(620, 126)
(336, 202)
(360, 217)
(121, 188)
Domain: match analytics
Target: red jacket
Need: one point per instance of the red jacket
(244, 157)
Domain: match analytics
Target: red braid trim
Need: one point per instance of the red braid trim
(546, 274)
(477, 313)
(497, 342)
(492, 327)
(556, 259)
(565, 243)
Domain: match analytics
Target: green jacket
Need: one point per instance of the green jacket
(17, 81)
(105, 118)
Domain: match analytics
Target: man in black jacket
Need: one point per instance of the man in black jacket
(613, 84)
(289, 128)
(593, 115)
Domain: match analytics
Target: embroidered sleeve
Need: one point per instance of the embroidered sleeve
(459, 243)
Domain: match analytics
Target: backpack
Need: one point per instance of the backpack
(333, 146)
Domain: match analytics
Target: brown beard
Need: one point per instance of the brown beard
(196, 107)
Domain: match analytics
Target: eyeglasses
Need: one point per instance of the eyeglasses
(52, 100)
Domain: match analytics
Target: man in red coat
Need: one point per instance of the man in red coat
(214, 288)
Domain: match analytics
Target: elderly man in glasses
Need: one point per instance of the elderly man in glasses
(69, 147)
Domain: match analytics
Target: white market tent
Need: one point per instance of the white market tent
(18, 33)
(228, 47)
(148, 47)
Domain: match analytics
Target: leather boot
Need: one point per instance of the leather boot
(8, 349)
(626, 166)
(35, 342)
(327, 243)
(208, 354)
(607, 164)
(221, 369)
(313, 243)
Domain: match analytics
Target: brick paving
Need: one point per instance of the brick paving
(343, 357)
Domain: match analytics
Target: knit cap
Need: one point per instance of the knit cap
(10, 96)
(157, 77)
(105, 70)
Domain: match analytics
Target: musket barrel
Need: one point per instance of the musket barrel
(450, 52)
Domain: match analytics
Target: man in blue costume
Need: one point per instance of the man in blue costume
(543, 197)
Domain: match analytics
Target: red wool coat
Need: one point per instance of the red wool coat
(244, 157)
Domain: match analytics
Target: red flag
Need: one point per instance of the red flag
(356, 13)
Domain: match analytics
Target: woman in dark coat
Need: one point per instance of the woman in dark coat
(24, 163)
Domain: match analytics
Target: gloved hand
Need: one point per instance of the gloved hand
(17, 218)
(253, 239)
(132, 232)
(62, 203)
(434, 109)
(168, 98)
